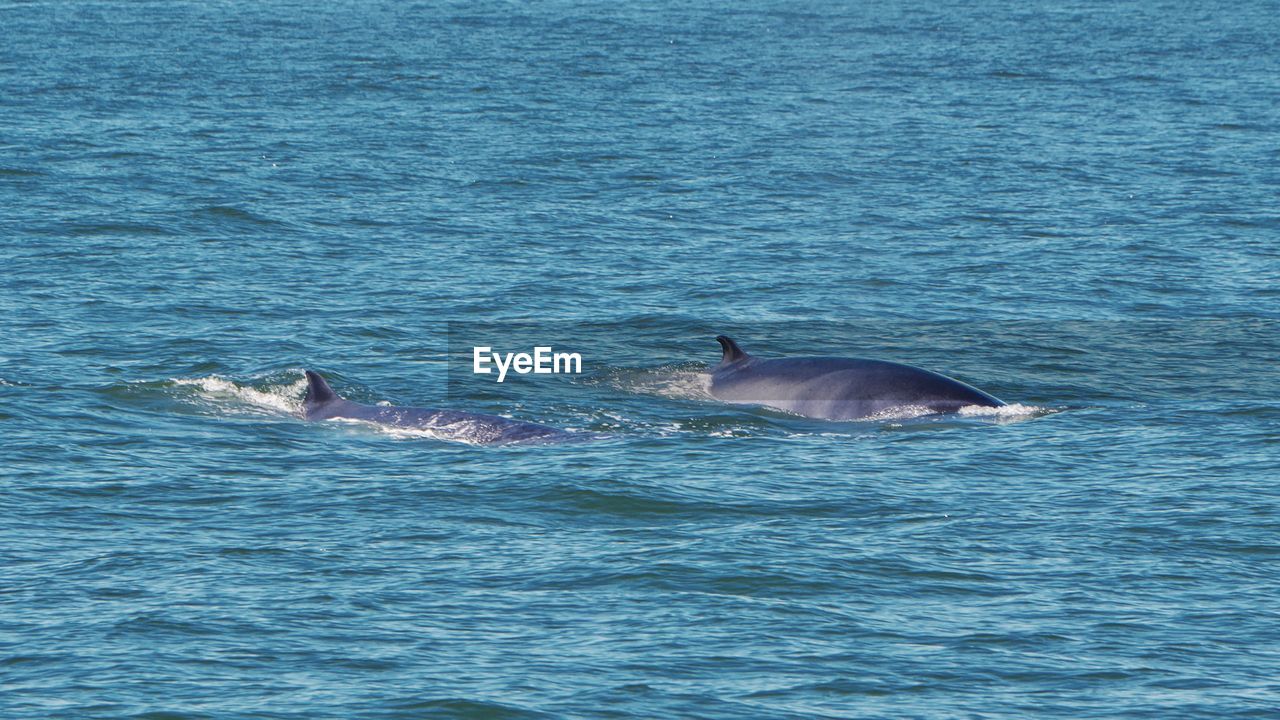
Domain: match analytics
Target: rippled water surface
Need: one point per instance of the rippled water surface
(1072, 207)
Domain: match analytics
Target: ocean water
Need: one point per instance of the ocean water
(1071, 206)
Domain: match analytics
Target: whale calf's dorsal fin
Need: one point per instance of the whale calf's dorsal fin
(732, 353)
(318, 391)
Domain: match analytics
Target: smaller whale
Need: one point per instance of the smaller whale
(832, 388)
(322, 403)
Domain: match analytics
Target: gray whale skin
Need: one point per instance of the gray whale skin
(830, 388)
(322, 403)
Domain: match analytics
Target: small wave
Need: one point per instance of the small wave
(460, 707)
(127, 229)
(234, 216)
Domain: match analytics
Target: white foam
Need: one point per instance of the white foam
(278, 398)
(678, 384)
(901, 412)
(1015, 410)
(464, 431)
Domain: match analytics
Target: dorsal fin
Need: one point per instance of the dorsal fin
(732, 353)
(318, 391)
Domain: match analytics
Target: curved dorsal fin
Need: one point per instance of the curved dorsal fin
(318, 391)
(732, 353)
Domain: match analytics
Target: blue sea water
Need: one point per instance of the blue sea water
(1070, 205)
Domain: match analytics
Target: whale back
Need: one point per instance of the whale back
(834, 388)
(322, 403)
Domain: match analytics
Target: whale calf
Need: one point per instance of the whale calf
(322, 403)
(832, 388)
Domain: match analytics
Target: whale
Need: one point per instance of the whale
(322, 403)
(836, 388)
